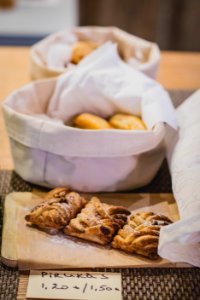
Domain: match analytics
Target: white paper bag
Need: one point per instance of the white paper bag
(181, 240)
(49, 152)
(51, 56)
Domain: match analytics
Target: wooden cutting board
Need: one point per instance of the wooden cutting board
(29, 248)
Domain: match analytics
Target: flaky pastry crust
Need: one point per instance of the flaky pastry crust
(98, 222)
(141, 234)
(56, 212)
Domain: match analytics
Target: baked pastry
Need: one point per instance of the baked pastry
(141, 234)
(82, 49)
(127, 122)
(56, 212)
(145, 217)
(58, 192)
(98, 222)
(90, 121)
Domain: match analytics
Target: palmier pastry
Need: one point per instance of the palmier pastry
(127, 122)
(56, 212)
(98, 222)
(90, 121)
(141, 234)
(82, 49)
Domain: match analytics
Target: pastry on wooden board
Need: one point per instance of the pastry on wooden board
(82, 49)
(97, 222)
(56, 212)
(127, 122)
(90, 121)
(141, 234)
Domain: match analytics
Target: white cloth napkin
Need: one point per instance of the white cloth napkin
(103, 84)
(181, 240)
(51, 56)
(58, 56)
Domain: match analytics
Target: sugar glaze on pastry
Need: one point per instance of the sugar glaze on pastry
(98, 222)
(56, 212)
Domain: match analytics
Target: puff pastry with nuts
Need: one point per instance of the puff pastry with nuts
(141, 234)
(56, 212)
(98, 222)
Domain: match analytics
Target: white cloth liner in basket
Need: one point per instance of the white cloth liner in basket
(51, 56)
(48, 152)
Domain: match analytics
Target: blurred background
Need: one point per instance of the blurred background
(173, 24)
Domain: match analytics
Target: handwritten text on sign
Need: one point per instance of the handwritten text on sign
(74, 285)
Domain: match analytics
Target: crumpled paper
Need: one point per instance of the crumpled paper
(51, 56)
(181, 240)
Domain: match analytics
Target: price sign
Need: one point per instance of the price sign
(74, 285)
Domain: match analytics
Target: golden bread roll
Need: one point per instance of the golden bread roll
(89, 121)
(82, 49)
(127, 122)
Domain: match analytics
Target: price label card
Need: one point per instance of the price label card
(74, 285)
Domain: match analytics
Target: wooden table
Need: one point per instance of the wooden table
(178, 70)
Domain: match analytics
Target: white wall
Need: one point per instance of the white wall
(32, 17)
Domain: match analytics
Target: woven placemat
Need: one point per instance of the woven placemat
(9, 278)
(162, 284)
(159, 283)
